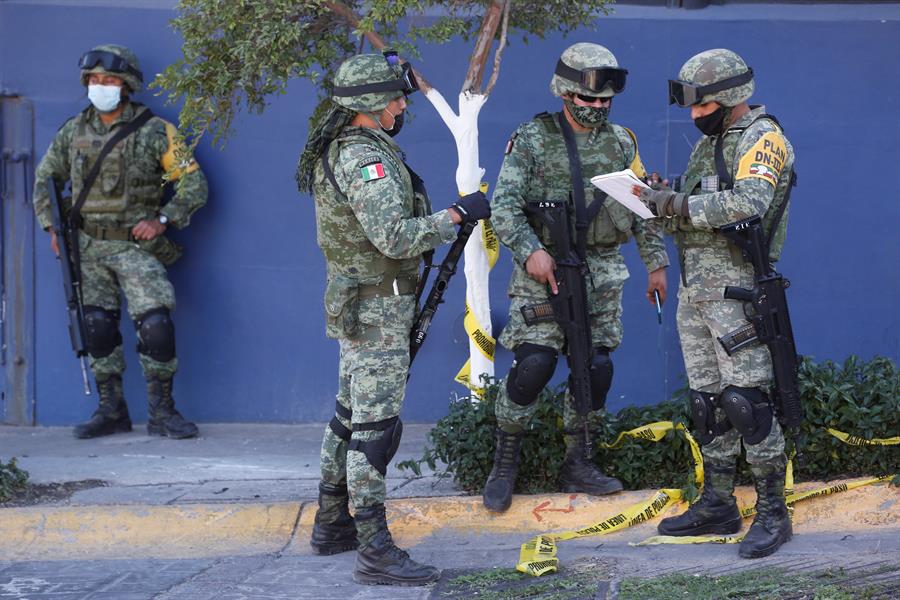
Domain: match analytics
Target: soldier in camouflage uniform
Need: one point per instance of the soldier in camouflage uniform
(374, 223)
(730, 395)
(537, 168)
(121, 238)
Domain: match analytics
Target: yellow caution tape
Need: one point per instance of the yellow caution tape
(749, 511)
(483, 340)
(538, 556)
(855, 440)
(655, 432)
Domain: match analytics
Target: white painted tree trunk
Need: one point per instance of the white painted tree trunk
(464, 127)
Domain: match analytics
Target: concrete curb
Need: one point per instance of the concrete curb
(209, 530)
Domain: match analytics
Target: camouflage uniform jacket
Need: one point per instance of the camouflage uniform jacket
(375, 227)
(129, 187)
(536, 168)
(760, 160)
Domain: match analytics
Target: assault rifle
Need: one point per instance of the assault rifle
(765, 306)
(569, 308)
(67, 240)
(445, 271)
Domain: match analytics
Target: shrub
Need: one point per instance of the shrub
(862, 398)
(12, 479)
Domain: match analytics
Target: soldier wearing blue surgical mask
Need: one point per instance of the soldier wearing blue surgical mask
(116, 154)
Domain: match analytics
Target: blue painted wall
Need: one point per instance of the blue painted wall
(249, 319)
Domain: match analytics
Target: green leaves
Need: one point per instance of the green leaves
(12, 479)
(236, 53)
(862, 398)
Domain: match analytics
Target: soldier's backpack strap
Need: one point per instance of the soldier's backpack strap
(123, 132)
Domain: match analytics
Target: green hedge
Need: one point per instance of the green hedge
(862, 398)
(12, 479)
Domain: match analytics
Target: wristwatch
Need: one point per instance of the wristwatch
(163, 219)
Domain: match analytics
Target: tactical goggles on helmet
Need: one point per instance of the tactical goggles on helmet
(594, 79)
(685, 93)
(110, 62)
(405, 83)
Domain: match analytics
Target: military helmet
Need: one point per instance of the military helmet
(588, 69)
(368, 82)
(112, 59)
(704, 71)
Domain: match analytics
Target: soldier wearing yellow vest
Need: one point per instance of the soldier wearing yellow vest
(122, 244)
(537, 168)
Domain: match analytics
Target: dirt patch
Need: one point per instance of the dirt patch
(49, 493)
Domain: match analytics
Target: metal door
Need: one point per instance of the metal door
(17, 225)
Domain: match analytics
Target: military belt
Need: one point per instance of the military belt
(401, 285)
(98, 232)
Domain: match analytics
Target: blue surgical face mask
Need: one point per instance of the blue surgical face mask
(105, 98)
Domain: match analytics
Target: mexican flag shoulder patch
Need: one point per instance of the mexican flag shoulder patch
(372, 171)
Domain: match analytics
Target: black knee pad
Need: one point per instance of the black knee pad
(101, 331)
(530, 372)
(749, 410)
(379, 452)
(156, 334)
(703, 413)
(336, 426)
(601, 377)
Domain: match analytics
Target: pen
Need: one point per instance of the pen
(658, 307)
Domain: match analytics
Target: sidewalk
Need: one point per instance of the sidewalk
(244, 495)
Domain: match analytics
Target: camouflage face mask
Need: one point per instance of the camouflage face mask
(588, 116)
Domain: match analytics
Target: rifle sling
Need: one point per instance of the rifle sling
(726, 182)
(123, 132)
(581, 216)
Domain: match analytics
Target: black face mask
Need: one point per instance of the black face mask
(713, 123)
(396, 127)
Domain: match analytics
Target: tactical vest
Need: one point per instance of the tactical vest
(127, 183)
(723, 158)
(348, 252)
(612, 224)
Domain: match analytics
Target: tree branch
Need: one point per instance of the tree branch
(498, 55)
(343, 11)
(486, 33)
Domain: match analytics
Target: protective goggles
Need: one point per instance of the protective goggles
(685, 93)
(109, 61)
(594, 79)
(405, 83)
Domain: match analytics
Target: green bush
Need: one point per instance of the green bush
(12, 479)
(862, 398)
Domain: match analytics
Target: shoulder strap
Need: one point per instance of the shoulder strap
(581, 220)
(725, 180)
(117, 137)
(548, 121)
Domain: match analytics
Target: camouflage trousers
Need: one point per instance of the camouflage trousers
(371, 387)
(710, 369)
(108, 266)
(608, 275)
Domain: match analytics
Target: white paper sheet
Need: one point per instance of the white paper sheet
(618, 185)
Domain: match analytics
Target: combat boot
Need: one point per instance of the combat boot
(111, 415)
(379, 561)
(497, 495)
(772, 525)
(715, 511)
(164, 419)
(579, 474)
(334, 530)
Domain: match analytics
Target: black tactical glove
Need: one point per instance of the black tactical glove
(473, 207)
(665, 203)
